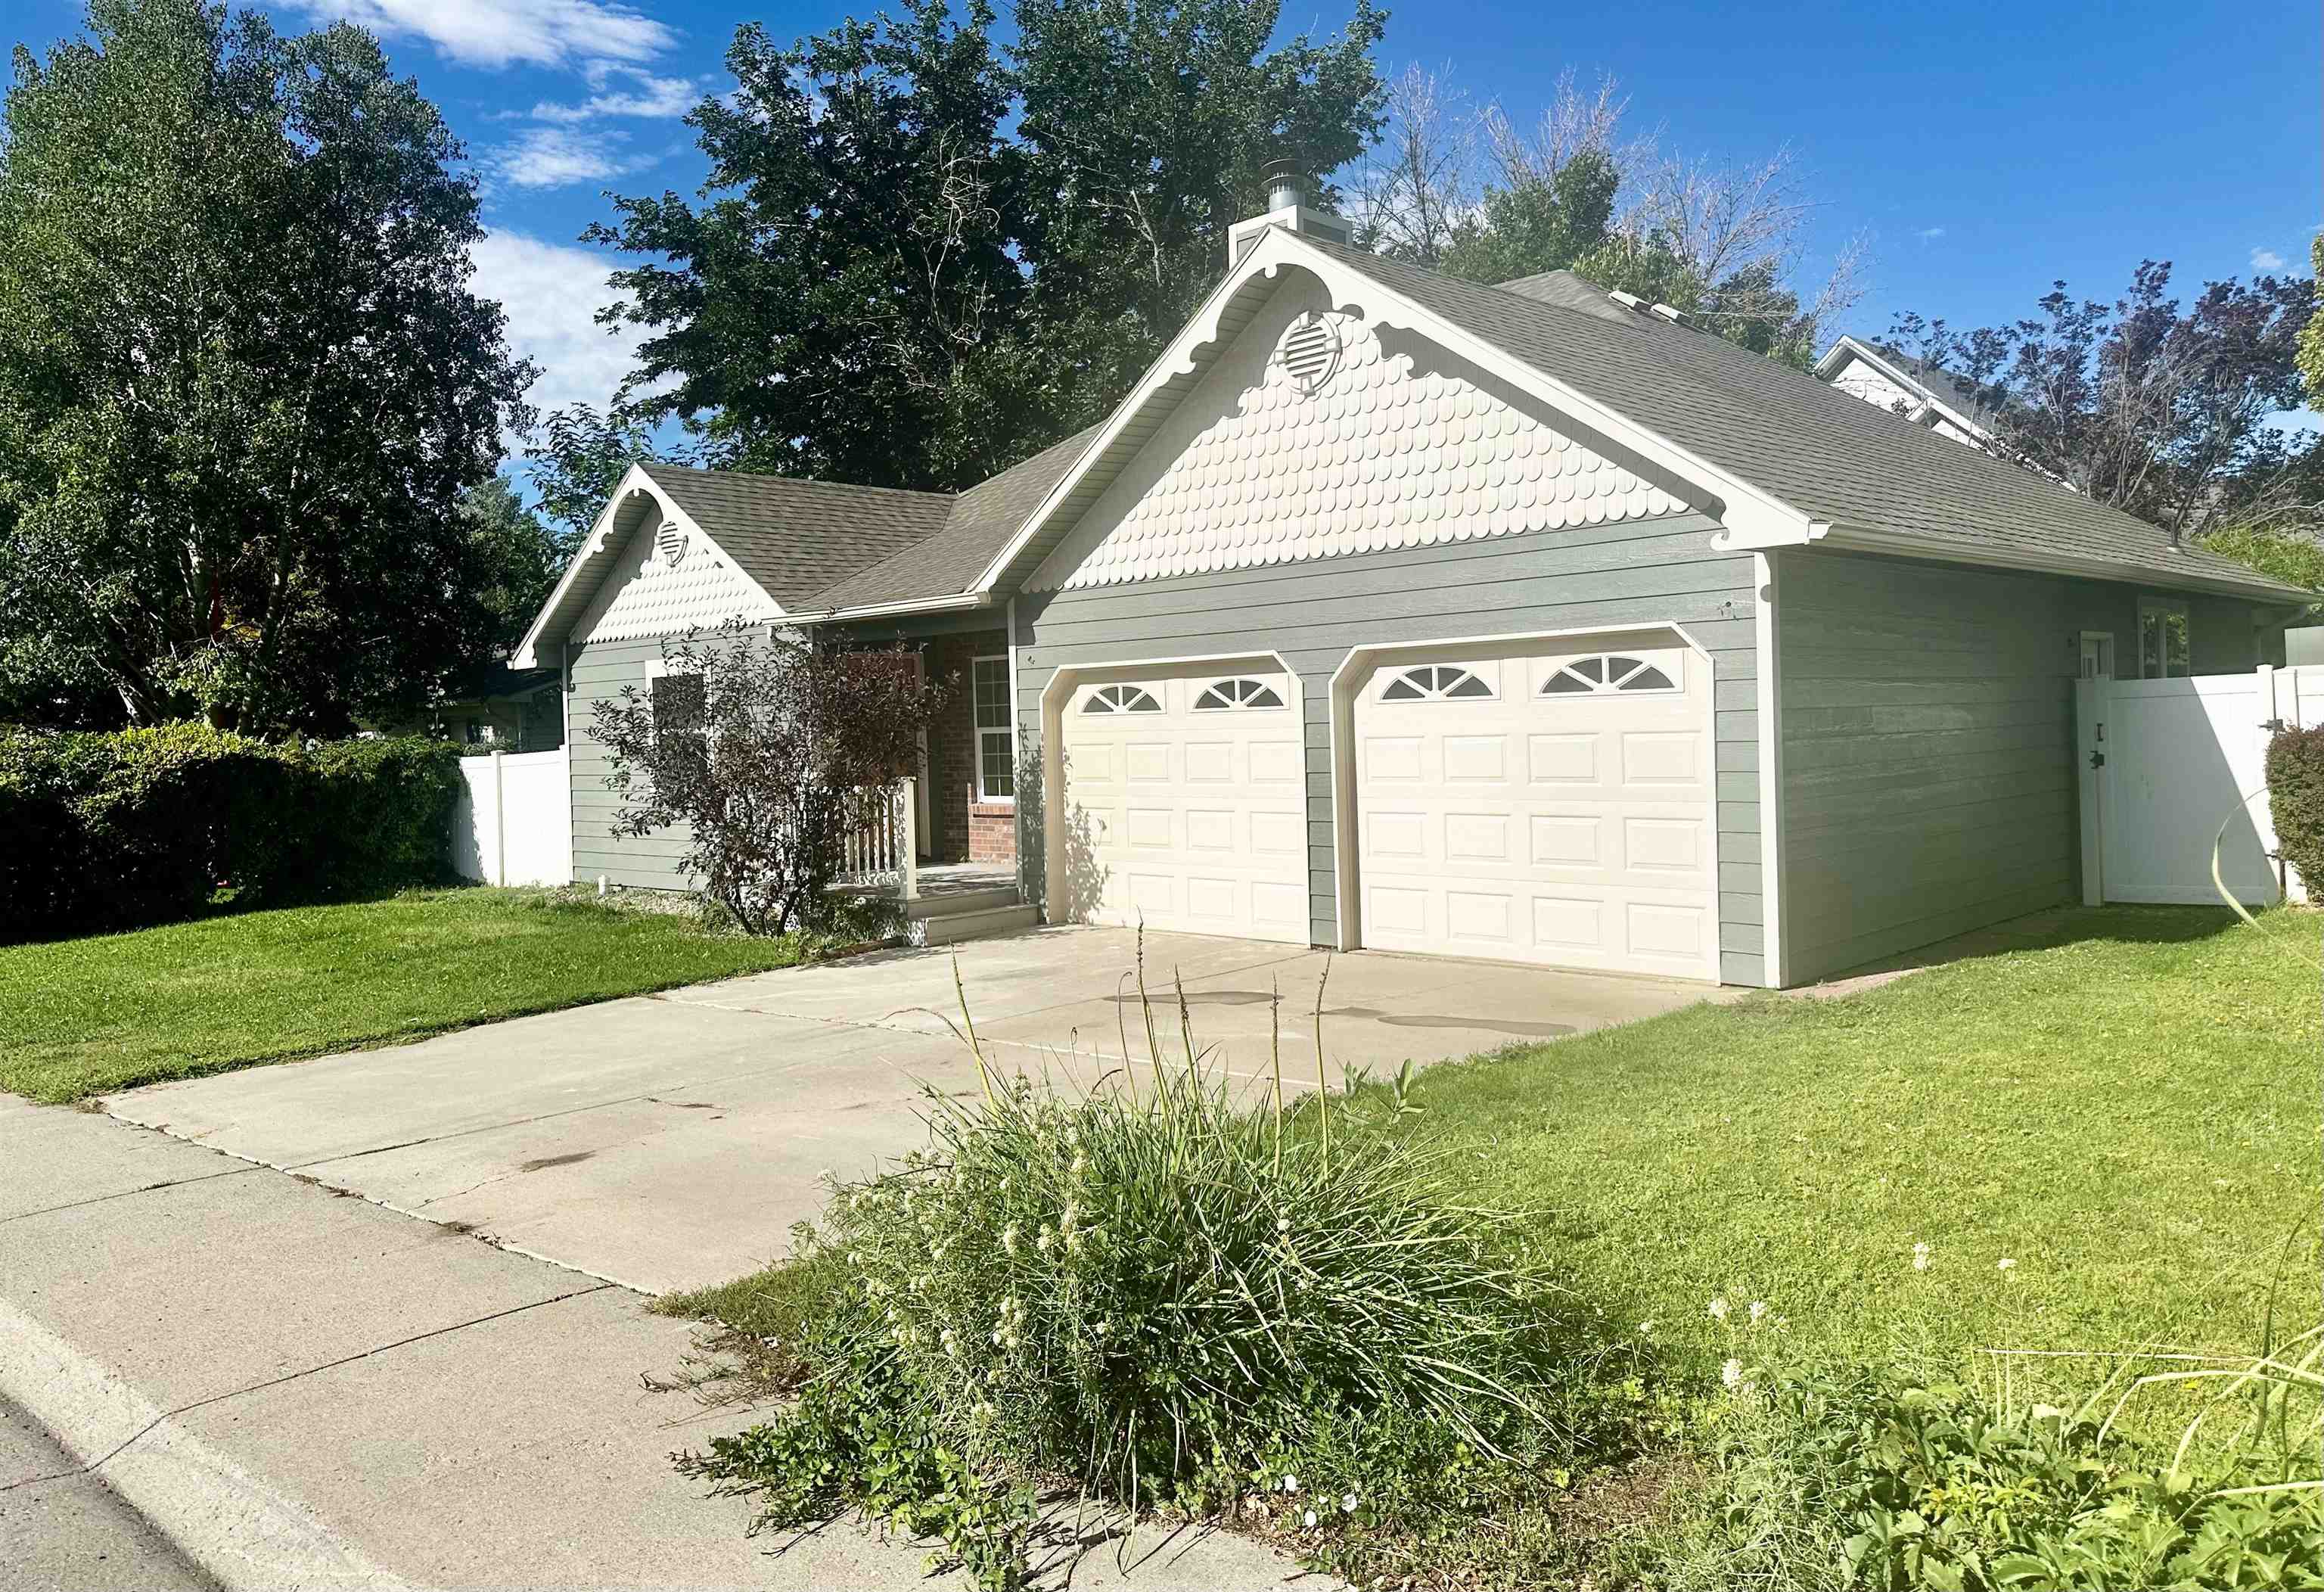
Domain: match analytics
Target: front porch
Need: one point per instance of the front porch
(970, 816)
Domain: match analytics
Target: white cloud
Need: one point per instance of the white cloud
(552, 292)
(1930, 234)
(496, 33)
(552, 157)
(651, 96)
(2266, 260)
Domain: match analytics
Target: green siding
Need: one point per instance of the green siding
(1313, 613)
(1928, 731)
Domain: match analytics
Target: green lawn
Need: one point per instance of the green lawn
(2128, 1110)
(81, 1016)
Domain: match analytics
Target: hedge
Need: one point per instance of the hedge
(2295, 799)
(145, 825)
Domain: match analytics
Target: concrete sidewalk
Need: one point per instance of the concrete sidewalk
(671, 1142)
(299, 1390)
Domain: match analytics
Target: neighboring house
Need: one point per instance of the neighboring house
(1513, 622)
(499, 709)
(1913, 388)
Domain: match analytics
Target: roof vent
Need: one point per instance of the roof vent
(1289, 207)
(1311, 351)
(670, 544)
(1287, 185)
(1627, 300)
(1675, 317)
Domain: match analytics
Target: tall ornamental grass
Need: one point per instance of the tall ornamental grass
(1171, 1300)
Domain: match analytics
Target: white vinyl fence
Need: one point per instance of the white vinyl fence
(514, 821)
(2173, 770)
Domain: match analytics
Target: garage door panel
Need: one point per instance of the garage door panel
(1565, 820)
(1188, 813)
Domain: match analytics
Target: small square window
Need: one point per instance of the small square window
(2165, 652)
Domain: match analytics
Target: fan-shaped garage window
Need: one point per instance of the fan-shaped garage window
(1608, 672)
(1120, 699)
(1228, 694)
(1433, 682)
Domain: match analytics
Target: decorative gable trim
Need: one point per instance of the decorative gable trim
(702, 578)
(1749, 513)
(1337, 447)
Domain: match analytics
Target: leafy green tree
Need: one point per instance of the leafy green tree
(826, 306)
(2161, 408)
(515, 560)
(582, 456)
(1538, 224)
(2311, 356)
(243, 383)
(1145, 126)
(915, 261)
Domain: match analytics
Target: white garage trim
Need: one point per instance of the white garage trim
(1059, 689)
(1771, 773)
(1346, 831)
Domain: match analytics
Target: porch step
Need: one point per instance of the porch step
(955, 924)
(946, 904)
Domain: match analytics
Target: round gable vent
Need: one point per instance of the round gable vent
(1310, 351)
(670, 543)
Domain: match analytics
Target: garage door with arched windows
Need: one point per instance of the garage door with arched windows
(1182, 800)
(1548, 802)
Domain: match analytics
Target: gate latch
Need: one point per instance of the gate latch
(2097, 760)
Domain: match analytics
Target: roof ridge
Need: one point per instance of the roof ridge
(650, 466)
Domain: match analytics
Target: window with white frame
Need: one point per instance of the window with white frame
(1433, 684)
(2164, 653)
(996, 739)
(1604, 672)
(680, 705)
(1227, 695)
(1120, 699)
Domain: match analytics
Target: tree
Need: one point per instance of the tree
(773, 751)
(243, 384)
(824, 310)
(2311, 336)
(2162, 411)
(515, 558)
(914, 262)
(1478, 196)
(581, 457)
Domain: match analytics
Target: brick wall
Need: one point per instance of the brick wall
(966, 830)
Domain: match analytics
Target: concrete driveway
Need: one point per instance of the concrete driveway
(670, 1142)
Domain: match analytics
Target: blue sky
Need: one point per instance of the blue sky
(1985, 149)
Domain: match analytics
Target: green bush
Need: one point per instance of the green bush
(1178, 1304)
(1854, 1479)
(114, 831)
(2295, 799)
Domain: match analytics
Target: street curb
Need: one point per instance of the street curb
(241, 1531)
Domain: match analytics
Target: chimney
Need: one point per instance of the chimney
(1286, 206)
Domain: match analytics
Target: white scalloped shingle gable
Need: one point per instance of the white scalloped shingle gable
(1378, 455)
(649, 593)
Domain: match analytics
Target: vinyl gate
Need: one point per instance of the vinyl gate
(2172, 769)
(513, 824)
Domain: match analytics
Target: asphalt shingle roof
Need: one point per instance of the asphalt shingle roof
(982, 519)
(819, 547)
(1833, 455)
(795, 537)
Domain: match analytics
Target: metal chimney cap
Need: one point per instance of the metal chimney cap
(1287, 184)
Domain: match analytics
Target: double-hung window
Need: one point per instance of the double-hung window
(996, 737)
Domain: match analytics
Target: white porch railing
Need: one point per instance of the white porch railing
(882, 846)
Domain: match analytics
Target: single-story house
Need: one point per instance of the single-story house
(1524, 621)
(1920, 391)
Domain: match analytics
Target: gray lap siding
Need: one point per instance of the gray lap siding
(1927, 717)
(1313, 613)
(598, 671)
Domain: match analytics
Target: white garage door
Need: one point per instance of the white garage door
(1544, 805)
(1185, 802)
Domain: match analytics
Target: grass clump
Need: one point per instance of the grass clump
(1172, 1303)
